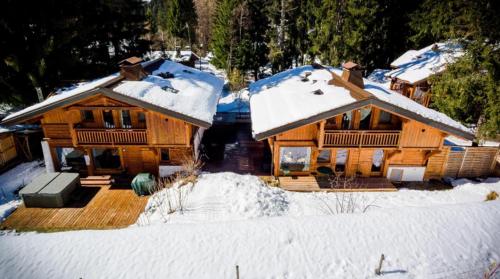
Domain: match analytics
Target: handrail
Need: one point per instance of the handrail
(111, 136)
(351, 138)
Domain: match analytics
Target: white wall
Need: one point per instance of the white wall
(47, 157)
(197, 141)
(410, 173)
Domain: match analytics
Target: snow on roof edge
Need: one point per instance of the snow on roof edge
(379, 93)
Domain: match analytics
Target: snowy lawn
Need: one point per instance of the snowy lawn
(231, 220)
(11, 182)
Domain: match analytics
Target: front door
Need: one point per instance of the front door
(377, 162)
(106, 159)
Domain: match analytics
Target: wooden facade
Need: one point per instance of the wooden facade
(8, 150)
(132, 138)
(364, 142)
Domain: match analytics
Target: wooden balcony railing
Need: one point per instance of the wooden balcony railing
(350, 138)
(111, 136)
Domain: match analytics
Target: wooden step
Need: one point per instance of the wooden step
(96, 182)
(97, 177)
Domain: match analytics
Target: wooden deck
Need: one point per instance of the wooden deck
(322, 184)
(93, 207)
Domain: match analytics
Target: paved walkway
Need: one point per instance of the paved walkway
(230, 147)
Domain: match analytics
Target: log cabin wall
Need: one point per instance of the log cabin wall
(418, 145)
(139, 143)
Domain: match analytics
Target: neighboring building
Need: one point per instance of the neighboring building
(147, 118)
(184, 57)
(8, 150)
(412, 70)
(313, 116)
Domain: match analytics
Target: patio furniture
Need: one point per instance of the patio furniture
(143, 183)
(50, 190)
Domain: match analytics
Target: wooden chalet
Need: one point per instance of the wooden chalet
(8, 151)
(411, 71)
(146, 118)
(326, 120)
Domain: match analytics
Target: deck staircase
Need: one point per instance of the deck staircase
(97, 180)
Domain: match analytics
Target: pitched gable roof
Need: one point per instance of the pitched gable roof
(417, 65)
(195, 99)
(287, 100)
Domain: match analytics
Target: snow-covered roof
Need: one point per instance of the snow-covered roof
(4, 130)
(177, 56)
(417, 65)
(189, 93)
(74, 91)
(287, 97)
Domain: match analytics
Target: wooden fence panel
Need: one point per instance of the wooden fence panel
(471, 162)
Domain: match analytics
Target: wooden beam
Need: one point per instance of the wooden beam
(321, 133)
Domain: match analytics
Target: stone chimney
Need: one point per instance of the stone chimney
(353, 73)
(131, 68)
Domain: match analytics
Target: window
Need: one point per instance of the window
(347, 120)
(294, 159)
(378, 158)
(126, 121)
(324, 156)
(330, 124)
(141, 117)
(108, 119)
(106, 158)
(70, 159)
(384, 117)
(165, 155)
(341, 159)
(364, 123)
(87, 116)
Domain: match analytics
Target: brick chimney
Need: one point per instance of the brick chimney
(353, 73)
(131, 68)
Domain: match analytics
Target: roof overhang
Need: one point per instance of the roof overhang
(359, 104)
(136, 102)
(108, 93)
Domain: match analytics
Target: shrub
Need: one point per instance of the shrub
(345, 197)
(492, 196)
(236, 80)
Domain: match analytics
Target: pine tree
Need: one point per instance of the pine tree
(368, 32)
(223, 35)
(238, 39)
(54, 43)
(469, 88)
(177, 19)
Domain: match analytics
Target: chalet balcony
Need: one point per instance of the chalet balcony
(111, 136)
(364, 138)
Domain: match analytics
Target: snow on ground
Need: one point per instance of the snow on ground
(454, 141)
(14, 179)
(232, 219)
(228, 197)
(234, 101)
(441, 241)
